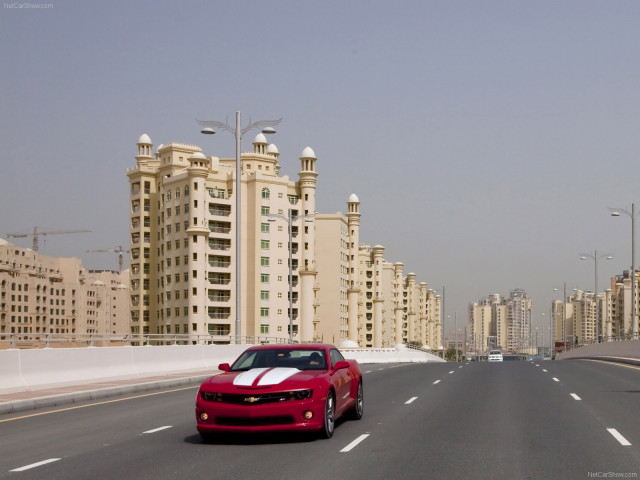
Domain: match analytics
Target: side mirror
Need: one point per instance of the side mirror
(340, 365)
(224, 367)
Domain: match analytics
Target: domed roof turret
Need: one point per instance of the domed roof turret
(144, 139)
(198, 156)
(308, 153)
(260, 138)
(353, 198)
(272, 149)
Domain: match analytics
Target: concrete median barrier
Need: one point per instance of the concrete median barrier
(49, 367)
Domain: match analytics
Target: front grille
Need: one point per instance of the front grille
(252, 399)
(254, 422)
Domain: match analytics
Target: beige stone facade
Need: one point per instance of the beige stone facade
(500, 322)
(183, 234)
(48, 295)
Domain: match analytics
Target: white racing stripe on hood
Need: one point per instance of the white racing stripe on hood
(277, 375)
(246, 379)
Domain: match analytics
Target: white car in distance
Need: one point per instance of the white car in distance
(495, 356)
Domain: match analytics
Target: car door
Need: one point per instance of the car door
(341, 380)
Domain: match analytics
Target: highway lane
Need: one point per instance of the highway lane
(509, 420)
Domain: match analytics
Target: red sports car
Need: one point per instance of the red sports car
(279, 388)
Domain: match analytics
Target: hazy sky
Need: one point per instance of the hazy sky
(485, 139)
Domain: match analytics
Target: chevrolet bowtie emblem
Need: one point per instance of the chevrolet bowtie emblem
(251, 399)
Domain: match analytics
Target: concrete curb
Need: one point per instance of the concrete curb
(97, 394)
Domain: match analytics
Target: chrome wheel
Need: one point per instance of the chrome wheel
(329, 416)
(358, 409)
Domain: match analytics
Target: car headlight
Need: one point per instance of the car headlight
(302, 394)
(209, 396)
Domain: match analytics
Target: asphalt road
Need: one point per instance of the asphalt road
(512, 420)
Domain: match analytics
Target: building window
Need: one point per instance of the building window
(264, 277)
(264, 295)
(266, 193)
(264, 244)
(264, 261)
(264, 312)
(264, 227)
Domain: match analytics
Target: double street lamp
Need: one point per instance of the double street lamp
(595, 258)
(267, 127)
(271, 217)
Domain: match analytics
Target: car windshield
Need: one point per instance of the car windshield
(494, 353)
(302, 359)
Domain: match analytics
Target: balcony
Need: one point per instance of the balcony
(219, 279)
(219, 210)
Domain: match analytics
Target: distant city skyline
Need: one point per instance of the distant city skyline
(485, 140)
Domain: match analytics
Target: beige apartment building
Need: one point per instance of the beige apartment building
(372, 304)
(611, 310)
(47, 295)
(182, 232)
(501, 322)
(183, 235)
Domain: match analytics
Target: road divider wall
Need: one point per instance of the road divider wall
(35, 369)
(49, 367)
(624, 349)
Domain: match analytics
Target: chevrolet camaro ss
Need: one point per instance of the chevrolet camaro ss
(300, 387)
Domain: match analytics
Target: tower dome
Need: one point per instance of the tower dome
(144, 147)
(308, 153)
(144, 139)
(353, 198)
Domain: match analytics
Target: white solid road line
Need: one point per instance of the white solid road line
(353, 444)
(575, 397)
(158, 429)
(617, 436)
(436, 382)
(34, 465)
(411, 400)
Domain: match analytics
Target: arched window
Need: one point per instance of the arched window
(186, 191)
(169, 195)
(265, 193)
(177, 192)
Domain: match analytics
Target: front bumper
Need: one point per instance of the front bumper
(214, 416)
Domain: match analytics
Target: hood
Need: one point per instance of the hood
(263, 378)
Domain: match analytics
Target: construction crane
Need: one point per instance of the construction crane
(119, 250)
(36, 233)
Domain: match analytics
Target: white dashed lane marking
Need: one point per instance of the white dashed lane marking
(555, 379)
(355, 443)
(436, 382)
(34, 465)
(623, 441)
(575, 397)
(411, 400)
(158, 429)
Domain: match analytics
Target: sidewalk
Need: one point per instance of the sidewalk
(67, 394)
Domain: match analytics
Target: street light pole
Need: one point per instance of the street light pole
(616, 213)
(595, 258)
(238, 132)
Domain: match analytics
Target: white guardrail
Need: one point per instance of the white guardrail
(32, 369)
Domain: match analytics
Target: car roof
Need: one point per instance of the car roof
(293, 346)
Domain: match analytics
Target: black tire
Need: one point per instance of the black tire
(358, 408)
(329, 423)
